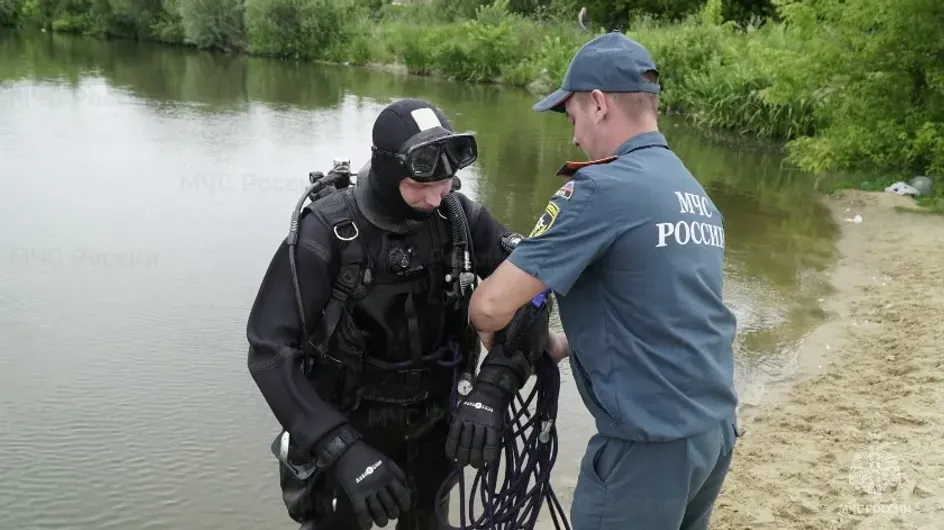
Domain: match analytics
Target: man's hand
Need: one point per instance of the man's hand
(558, 346)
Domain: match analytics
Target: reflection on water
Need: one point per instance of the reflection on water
(146, 189)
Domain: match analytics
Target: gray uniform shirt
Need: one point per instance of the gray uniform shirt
(633, 248)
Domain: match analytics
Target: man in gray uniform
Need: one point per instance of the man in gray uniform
(633, 248)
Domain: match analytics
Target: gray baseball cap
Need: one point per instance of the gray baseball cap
(611, 62)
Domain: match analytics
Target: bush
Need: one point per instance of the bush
(299, 29)
(9, 12)
(722, 77)
(878, 71)
(167, 26)
(214, 24)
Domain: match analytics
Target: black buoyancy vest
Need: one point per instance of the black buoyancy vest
(388, 304)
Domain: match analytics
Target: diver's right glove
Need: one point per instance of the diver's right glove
(377, 487)
(478, 425)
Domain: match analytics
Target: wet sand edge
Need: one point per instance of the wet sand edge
(849, 441)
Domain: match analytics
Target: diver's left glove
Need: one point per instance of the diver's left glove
(376, 486)
(479, 423)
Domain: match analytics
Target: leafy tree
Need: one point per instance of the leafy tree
(875, 67)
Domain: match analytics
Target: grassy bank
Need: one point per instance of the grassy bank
(850, 87)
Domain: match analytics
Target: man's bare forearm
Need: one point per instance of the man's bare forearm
(495, 301)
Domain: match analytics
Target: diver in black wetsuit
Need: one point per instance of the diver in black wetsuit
(361, 385)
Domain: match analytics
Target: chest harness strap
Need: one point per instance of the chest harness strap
(354, 272)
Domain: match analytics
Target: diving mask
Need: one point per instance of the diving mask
(437, 158)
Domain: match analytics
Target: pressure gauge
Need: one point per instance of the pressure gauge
(465, 384)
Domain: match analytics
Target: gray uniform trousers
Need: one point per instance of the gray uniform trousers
(628, 485)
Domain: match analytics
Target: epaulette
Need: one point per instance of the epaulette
(570, 168)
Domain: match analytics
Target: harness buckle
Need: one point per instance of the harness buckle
(347, 282)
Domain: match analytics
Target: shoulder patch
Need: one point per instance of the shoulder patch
(546, 220)
(570, 168)
(566, 191)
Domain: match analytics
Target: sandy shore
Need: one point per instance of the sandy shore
(857, 439)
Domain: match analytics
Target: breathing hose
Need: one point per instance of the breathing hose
(461, 262)
(319, 181)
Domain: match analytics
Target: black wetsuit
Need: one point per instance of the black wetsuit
(275, 357)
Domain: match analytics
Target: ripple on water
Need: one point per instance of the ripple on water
(126, 426)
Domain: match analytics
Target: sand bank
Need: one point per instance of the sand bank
(857, 439)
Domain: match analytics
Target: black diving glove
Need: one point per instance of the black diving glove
(479, 423)
(377, 487)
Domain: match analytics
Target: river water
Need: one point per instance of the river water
(145, 189)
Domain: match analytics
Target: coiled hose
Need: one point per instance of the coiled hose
(514, 503)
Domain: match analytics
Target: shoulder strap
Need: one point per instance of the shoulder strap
(339, 213)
